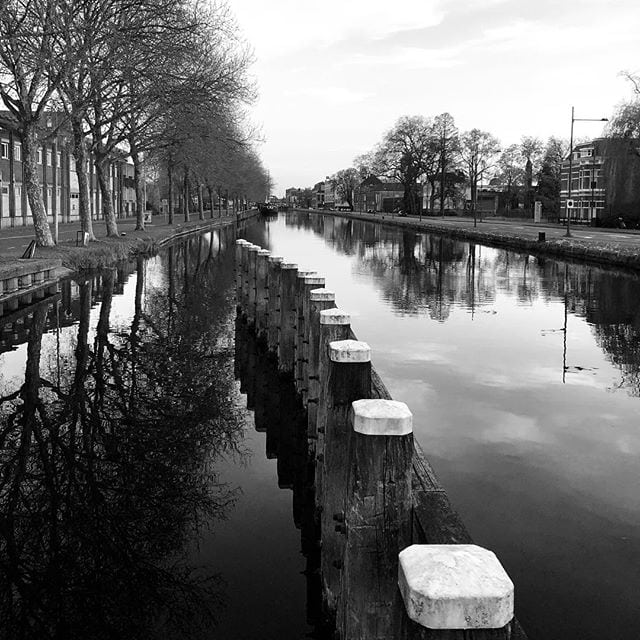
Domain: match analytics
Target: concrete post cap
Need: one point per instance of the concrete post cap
(314, 280)
(289, 265)
(304, 274)
(381, 418)
(459, 586)
(349, 351)
(316, 295)
(276, 259)
(254, 247)
(241, 241)
(264, 252)
(334, 316)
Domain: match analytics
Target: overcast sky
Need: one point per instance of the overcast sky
(334, 75)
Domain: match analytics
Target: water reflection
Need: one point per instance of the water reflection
(522, 375)
(108, 451)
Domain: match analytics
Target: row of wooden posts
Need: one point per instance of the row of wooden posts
(363, 448)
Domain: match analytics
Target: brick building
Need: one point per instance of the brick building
(58, 180)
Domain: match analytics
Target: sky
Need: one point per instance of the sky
(334, 76)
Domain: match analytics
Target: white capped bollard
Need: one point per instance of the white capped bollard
(459, 586)
(382, 418)
(347, 351)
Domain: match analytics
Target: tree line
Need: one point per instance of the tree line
(163, 81)
(431, 150)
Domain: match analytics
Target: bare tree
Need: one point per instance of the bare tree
(345, 182)
(29, 42)
(478, 151)
(447, 143)
(403, 154)
(531, 151)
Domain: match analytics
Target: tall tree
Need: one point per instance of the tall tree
(29, 42)
(403, 154)
(549, 175)
(478, 151)
(530, 149)
(447, 143)
(345, 182)
(510, 173)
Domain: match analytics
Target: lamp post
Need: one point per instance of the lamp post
(574, 119)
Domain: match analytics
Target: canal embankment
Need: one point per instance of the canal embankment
(24, 279)
(618, 248)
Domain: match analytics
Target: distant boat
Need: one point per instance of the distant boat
(268, 210)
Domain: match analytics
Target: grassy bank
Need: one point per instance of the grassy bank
(106, 252)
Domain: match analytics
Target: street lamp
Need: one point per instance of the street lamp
(574, 119)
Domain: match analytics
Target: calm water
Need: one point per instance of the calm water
(136, 499)
(523, 377)
(151, 484)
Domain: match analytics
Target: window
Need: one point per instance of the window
(17, 153)
(17, 190)
(4, 150)
(58, 159)
(49, 157)
(40, 155)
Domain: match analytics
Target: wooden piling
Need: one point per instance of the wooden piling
(288, 281)
(349, 380)
(305, 287)
(262, 292)
(335, 324)
(320, 300)
(377, 517)
(239, 268)
(244, 295)
(273, 303)
(251, 284)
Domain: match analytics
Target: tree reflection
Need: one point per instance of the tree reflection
(108, 475)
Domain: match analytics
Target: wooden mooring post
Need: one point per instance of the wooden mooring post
(396, 562)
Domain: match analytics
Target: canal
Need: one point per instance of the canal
(523, 377)
(151, 483)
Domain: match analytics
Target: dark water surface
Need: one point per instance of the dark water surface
(136, 500)
(523, 376)
(140, 498)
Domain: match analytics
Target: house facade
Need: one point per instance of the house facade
(58, 180)
(605, 182)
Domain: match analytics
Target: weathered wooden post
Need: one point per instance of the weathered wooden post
(239, 266)
(335, 324)
(245, 279)
(349, 379)
(377, 517)
(251, 288)
(273, 303)
(288, 280)
(319, 300)
(459, 587)
(307, 284)
(262, 291)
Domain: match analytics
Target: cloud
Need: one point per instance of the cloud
(334, 96)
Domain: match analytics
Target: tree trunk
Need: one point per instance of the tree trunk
(80, 154)
(210, 200)
(139, 186)
(200, 203)
(32, 183)
(185, 196)
(442, 181)
(102, 169)
(170, 176)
